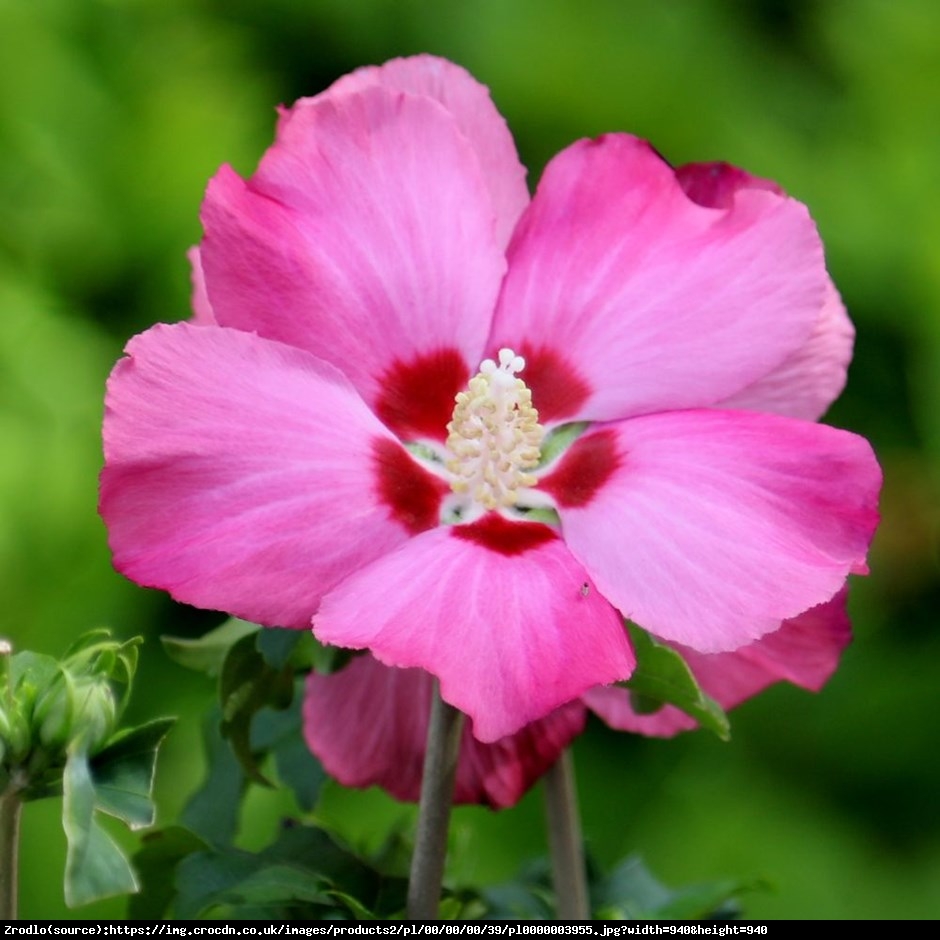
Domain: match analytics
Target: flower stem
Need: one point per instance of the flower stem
(10, 806)
(437, 790)
(564, 838)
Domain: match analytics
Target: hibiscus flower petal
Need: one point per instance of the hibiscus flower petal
(365, 237)
(368, 726)
(642, 298)
(710, 528)
(202, 309)
(471, 106)
(499, 611)
(811, 378)
(804, 651)
(244, 475)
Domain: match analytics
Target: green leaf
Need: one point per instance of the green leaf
(356, 908)
(632, 892)
(123, 773)
(706, 901)
(300, 648)
(528, 897)
(277, 645)
(248, 684)
(156, 863)
(95, 867)
(303, 874)
(629, 891)
(203, 877)
(278, 884)
(213, 810)
(207, 653)
(281, 734)
(661, 675)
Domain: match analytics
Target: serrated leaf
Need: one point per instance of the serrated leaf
(95, 866)
(662, 675)
(123, 773)
(212, 811)
(156, 863)
(207, 653)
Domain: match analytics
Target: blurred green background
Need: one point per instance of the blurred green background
(114, 114)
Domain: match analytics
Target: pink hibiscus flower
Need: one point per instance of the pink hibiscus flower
(299, 456)
(368, 725)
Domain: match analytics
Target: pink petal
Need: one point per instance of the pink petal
(365, 237)
(811, 378)
(368, 726)
(470, 104)
(202, 309)
(646, 300)
(710, 528)
(247, 476)
(499, 611)
(804, 651)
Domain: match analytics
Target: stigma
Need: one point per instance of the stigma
(494, 437)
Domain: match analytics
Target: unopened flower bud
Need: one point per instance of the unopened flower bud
(52, 716)
(95, 713)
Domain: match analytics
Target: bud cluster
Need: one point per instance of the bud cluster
(50, 707)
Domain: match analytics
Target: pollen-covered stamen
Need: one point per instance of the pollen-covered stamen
(494, 436)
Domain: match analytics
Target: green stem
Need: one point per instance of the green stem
(10, 806)
(437, 789)
(564, 839)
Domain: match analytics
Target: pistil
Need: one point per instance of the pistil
(494, 436)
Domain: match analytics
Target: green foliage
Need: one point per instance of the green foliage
(207, 653)
(95, 867)
(303, 874)
(123, 773)
(631, 892)
(61, 736)
(662, 678)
